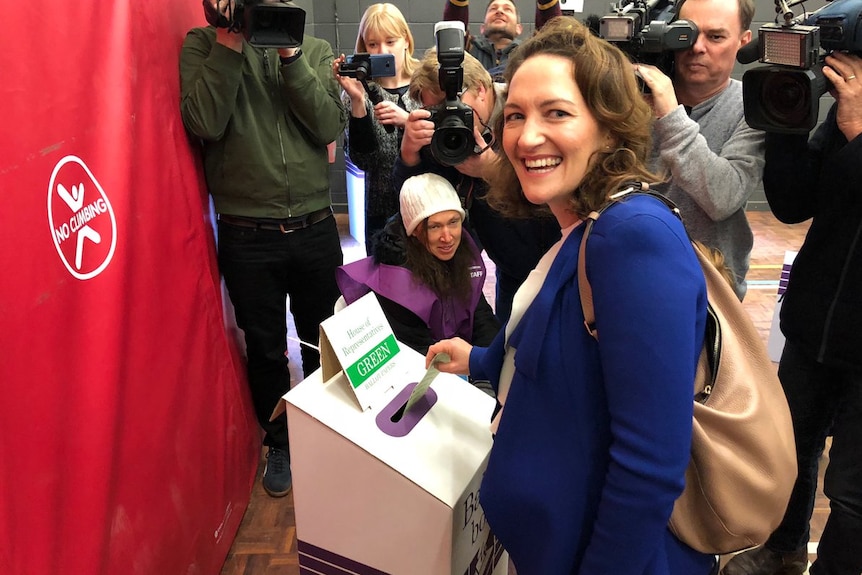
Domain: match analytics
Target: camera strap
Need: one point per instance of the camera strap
(466, 197)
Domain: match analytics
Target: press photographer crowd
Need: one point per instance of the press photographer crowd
(603, 460)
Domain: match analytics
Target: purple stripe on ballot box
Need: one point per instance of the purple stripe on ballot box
(314, 560)
(394, 422)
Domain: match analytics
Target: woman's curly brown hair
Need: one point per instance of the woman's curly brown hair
(607, 82)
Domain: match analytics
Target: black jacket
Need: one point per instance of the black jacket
(821, 179)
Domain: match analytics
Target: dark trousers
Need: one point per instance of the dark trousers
(261, 268)
(824, 400)
(373, 224)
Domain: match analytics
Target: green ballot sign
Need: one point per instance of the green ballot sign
(359, 340)
(370, 364)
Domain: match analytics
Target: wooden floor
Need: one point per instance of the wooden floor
(266, 541)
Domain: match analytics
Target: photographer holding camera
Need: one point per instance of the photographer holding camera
(515, 246)
(820, 367)
(264, 115)
(370, 140)
(700, 136)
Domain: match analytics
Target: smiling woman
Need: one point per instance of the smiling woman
(574, 126)
(594, 436)
(427, 274)
(551, 139)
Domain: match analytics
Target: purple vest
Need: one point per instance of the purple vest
(445, 317)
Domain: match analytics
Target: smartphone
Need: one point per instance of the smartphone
(367, 66)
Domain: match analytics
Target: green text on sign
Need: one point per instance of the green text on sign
(367, 365)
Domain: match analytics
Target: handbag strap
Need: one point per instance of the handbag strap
(585, 289)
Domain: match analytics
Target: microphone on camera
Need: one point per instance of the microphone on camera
(592, 22)
(750, 52)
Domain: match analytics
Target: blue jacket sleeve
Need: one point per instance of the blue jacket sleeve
(485, 362)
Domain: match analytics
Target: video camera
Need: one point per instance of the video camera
(647, 32)
(784, 97)
(265, 24)
(364, 66)
(453, 139)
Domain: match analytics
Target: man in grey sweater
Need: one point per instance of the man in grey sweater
(714, 160)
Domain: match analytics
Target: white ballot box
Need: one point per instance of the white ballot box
(378, 490)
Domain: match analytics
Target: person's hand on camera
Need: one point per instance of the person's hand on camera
(418, 131)
(388, 113)
(841, 69)
(352, 87)
(476, 165)
(224, 7)
(225, 37)
(459, 355)
(662, 98)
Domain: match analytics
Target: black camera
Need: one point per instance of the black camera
(453, 140)
(647, 32)
(364, 66)
(264, 23)
(784, 97)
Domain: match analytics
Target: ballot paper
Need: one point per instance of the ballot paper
(426, 380)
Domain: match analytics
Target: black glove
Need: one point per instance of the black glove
(213, 16)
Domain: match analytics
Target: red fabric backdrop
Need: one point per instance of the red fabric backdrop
(127, 441)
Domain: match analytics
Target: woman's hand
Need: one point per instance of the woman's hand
(351, 86)
(388, 113)
(459, 355)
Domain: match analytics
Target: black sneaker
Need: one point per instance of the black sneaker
(765, 561)
(277, 480)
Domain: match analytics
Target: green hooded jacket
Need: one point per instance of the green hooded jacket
(264, 125)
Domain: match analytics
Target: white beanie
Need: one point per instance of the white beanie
(423, 196)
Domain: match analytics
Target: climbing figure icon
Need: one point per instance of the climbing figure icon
(75, 201)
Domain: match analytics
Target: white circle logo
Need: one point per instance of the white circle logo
(81, 218)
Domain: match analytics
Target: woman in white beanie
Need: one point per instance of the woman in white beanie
(427, 273)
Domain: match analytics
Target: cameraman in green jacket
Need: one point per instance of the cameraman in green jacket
(264, 117)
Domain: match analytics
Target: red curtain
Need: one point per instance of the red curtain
(127, 440)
